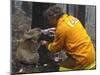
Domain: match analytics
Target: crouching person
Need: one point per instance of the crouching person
(71, 37)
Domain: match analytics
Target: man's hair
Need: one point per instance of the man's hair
(53, 12)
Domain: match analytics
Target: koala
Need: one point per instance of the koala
(27, 51)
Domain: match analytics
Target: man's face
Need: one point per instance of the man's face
(52, 22)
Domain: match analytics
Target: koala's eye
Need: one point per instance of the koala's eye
(27, 29)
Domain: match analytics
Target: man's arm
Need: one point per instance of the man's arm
(58, 42)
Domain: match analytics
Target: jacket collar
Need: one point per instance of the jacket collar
(62, 18)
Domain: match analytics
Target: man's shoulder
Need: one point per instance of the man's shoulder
(72, 21)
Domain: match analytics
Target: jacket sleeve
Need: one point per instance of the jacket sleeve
(58, 42)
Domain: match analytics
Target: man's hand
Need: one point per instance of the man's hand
(49, 30)
(52, 30)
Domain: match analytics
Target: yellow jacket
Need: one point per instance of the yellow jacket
(74, 40)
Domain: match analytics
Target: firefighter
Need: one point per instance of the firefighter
(71, 37)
